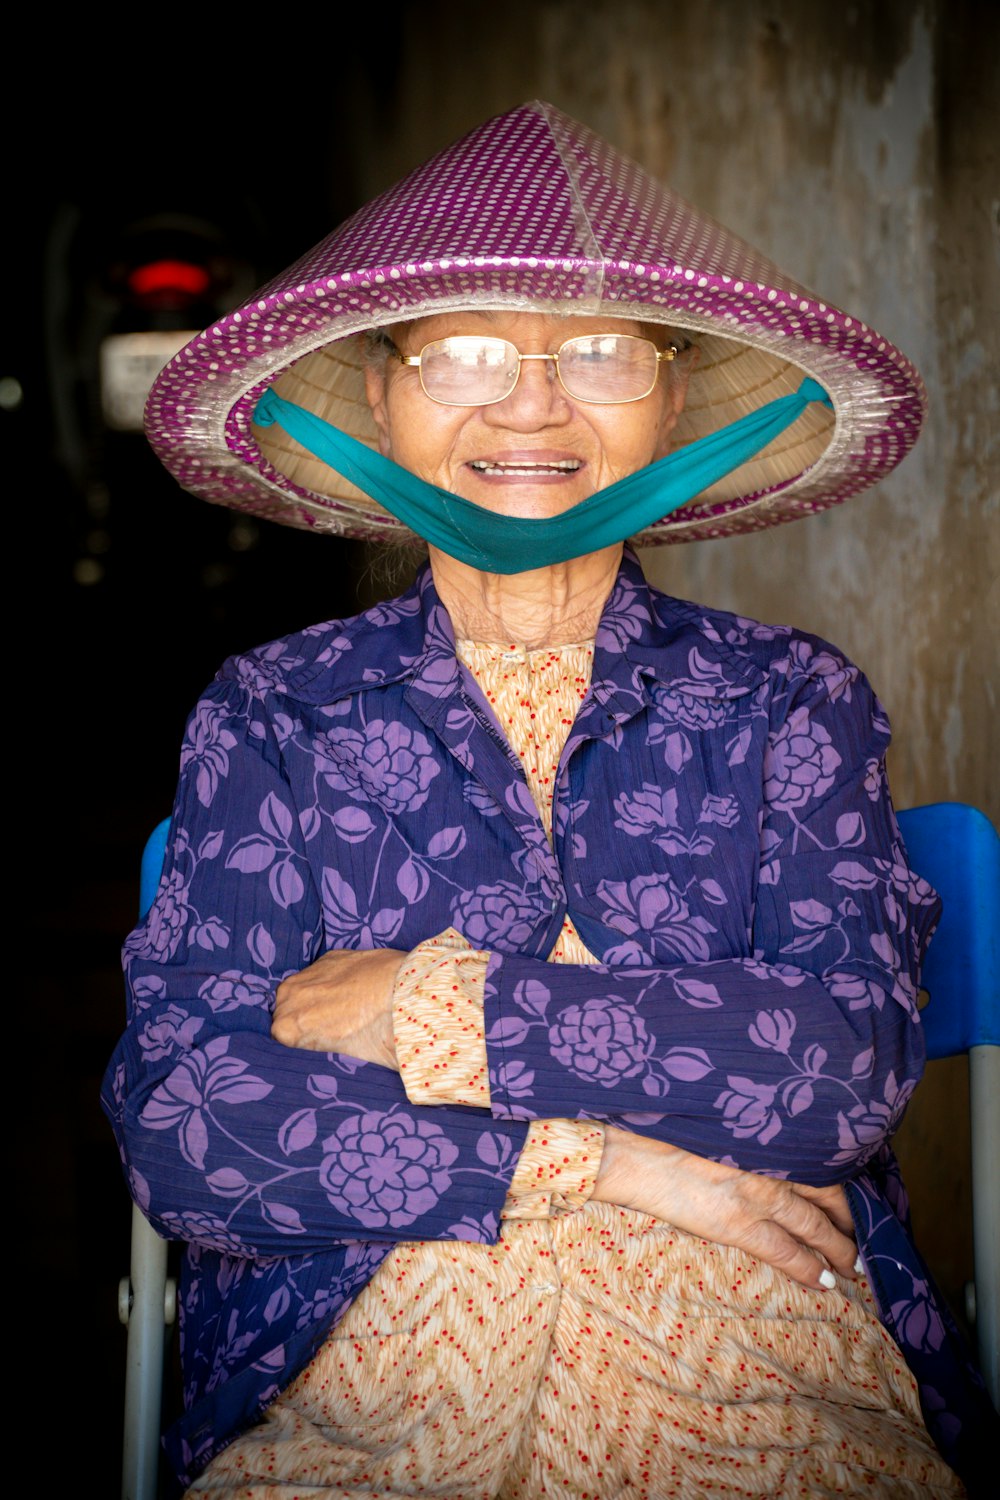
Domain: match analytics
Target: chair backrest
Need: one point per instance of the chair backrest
(152, 865)
(957, 849)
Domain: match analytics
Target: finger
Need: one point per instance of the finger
(285, 1018)
(833, 1201)
(289, 1027)
(309, 1035)
(770, 1243)
(813, 1228)
(301, 1018)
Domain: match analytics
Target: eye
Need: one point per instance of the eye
(608, 367)
(593, 350)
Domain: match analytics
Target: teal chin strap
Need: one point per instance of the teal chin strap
(512, 544)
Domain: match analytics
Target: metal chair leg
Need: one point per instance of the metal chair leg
(984, 1095)
(147, 1304)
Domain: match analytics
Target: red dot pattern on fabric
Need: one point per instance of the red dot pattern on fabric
(602, 1354)
(599, 1353)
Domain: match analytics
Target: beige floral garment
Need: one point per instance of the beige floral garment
(593, 1352)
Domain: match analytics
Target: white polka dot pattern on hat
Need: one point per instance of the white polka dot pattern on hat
(532, 209)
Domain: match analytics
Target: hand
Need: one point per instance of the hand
(341, 1003)
(797, 1229)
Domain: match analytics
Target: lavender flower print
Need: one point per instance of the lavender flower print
(823, 666)
(721, 810)
(690, 709)
(602, 1040)
(918, 1320)
(860, 994)
(653, 905)
(208, 744)
(386, 1168)
(515, 1079)
(773, 1030)
(200, 1080)
(747, 1112)
(168, 918)
(651, 808)
(211, 1230)
(863, 1128)
(388, 763)
(800, 763)
(173, 1030)
(874, 779)
(148, 991)
(231, 989)
(498, 915)
(287, 1162)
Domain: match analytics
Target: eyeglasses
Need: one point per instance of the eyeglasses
(604, 368)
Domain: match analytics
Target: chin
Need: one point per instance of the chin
(537, 503)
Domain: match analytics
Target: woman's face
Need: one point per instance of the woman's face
(538, 451)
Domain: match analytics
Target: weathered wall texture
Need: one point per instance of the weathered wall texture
(856, 145)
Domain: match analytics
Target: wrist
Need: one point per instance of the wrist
(618, 1165)
(632, 1166)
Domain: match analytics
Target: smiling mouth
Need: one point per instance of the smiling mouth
(518, 469)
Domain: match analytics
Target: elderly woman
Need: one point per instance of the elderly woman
(529, 996)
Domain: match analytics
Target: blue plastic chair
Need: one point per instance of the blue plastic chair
(957, 849)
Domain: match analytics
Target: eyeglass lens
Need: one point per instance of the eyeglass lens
(605, 368)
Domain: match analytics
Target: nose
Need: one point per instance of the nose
(537, 400)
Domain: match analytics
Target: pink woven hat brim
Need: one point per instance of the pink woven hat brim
(533, 211)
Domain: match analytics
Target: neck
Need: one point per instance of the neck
(552, 606)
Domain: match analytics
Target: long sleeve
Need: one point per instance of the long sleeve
(797, 1059)
(441, 1048)
(229, 1138)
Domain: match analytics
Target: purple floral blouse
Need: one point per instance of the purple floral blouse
(725, 844)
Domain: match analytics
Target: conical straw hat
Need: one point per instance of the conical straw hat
(532, 211)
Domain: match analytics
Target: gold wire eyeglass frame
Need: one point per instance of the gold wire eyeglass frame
(415, 361)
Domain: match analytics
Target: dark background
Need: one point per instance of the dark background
(127, 595)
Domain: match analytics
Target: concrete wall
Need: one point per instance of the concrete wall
(855, 144)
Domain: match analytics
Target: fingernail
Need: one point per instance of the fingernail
(827, 1279)
(859, 1268)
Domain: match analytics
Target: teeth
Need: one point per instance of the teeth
(561, 466)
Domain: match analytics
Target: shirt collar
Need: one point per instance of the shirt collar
(647, 639)
(644, 638)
